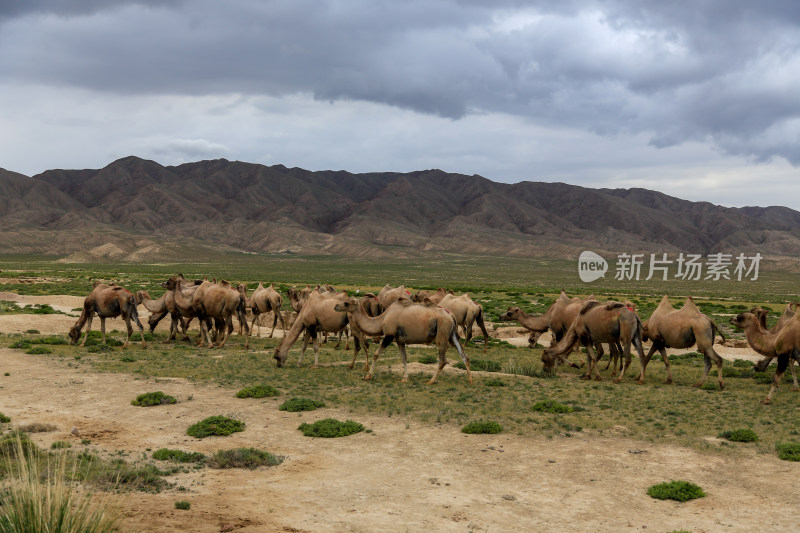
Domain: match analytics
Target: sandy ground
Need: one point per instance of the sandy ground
(403, 476)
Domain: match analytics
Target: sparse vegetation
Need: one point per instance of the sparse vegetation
(257, 391)
(178, 456)
(215, 425)
(60, 444)
(150, 399)
(551, 406)
(294, 405)
(4, 419)
(330, 428)
(740, 435)
(482, 426)
(183, 505)
(788, 451)
(681, 491)
(484, 365)
(243, 458)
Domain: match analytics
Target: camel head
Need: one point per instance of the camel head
(511, 314)
(170, 284)
(280, 359)
(743, 320)
(74, 334)
(348, 306)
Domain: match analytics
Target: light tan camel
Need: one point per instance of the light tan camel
(389, 295)
(783, 344)
(435, 297)
(406, 322)
(265, 300)
(668, 327)
(218, 301)
(372, 307)
(788, 314)
(611, 322)
(160, 308)
(467, 313)
(107, 301)
(315, 316)
(297, 297)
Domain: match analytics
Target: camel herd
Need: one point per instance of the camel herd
(396, 315)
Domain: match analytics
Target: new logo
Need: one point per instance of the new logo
(591, 266)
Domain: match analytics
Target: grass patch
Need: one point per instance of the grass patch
(788, 451)
(178, 456)
(294, 405)
(150, 399)
(243, 458)
(215, 425)
(484, 365)
(494, 382)
(38, 350)
(38, 427)
(681, 491)
(525, 369)
(551, 406)
(428, 359)
(4, 419)
(482, 426)
(258, 391)
(60, 445)
(740, 435)
(330, 428)
(183, 505)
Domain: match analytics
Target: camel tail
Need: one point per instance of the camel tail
(134, 311)
(716, 328)
(460, 349)
(241, 311)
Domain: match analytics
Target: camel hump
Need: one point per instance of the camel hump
(115, 288)
(405, 302)
(615, 305)
(591, 304)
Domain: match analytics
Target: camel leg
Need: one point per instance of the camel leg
(643, 362)
(253, 323)
(347, 338)
(626, 362)
(794, 375)
(227, 330)
(306, 338)
(88, 328)
(485, 333)
(316, 350)
(709, 355)
(275, 315)
(593, 368)
(460, 349)
(387, 340)
(783, 362)
(402, 347)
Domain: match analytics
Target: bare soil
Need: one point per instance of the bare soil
(403, 476)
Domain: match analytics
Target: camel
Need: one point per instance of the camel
(315, 316)
(107, 301)
(264, 300)
(783, 344)
(761, 313)
(219, 301)
(466, 312)
(163, 306)
(297, 297)
(435, 297)
(389, 295)
(611, 322)
(372, 308)
(406, 322)
(668, 327)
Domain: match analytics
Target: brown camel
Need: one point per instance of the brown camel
(466, 312)
(788, 314)
(783, 344)
(668, 327)
(107, 301)
(265, 300)
(218, 301)
(372, 308)
(297, 297)
(315, 316)
(611, 322)
(406, 322)
(160, 308)
(389, 295)
(435, 297)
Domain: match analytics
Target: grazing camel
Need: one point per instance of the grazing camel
(265, 300)
(611, 322)
(315, 316)
(389, 295)
(163, 306)
(761, 313)
(783, 344)
(466, 312)
(107, 301)
(210, 300)
(668, 327)
(535, 324)
(406, 322)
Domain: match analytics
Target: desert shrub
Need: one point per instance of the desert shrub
(12, 443)
(4, 419)
(676, 490)
(428, 359)
(300, 404)
(330, 428)
(788, 451)
(257, 391)
(215, 425)
(21, 345)
(552, 406)
(183, 505)
(482, 426)
(525, 369)
(243, 458)
(60, 445)
(743, 363)
(484, 365)
(178, 456)
(37, 427)
(150, 399)
(740, 435)
(38, 350)
(494, 382)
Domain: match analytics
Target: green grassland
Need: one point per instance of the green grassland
(679, 413)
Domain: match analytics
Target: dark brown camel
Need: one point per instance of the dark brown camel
(107, 301)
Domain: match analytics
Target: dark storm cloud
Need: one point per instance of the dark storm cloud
(725, 72)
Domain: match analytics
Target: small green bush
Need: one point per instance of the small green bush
(60, 444)
(243, 458)
(526, 369)
(215, 425)
(676, 490)
(428, 359)
(258, 391)
(484, 365)
(38, 350)
(743, 363)
(551, 406)
(330, 428)
(294, 405)
(21, 345)
(4, 419)
(178, 456)
(788, 451)
(183, 505)
(740, 435)
(494, 382)
(482, 426)
(149, 399)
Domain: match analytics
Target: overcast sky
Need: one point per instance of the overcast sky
(698, 99)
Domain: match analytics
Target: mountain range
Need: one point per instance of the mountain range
(138, 210)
